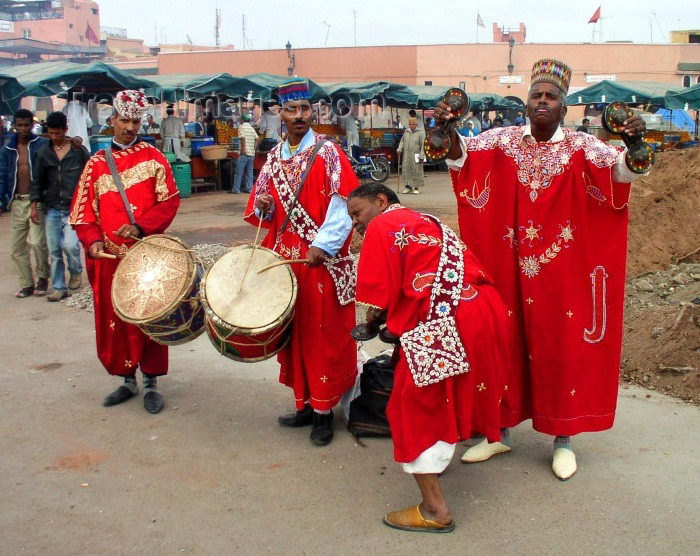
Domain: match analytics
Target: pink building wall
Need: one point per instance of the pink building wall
(392, 63)
(67, 30)
(479, 65)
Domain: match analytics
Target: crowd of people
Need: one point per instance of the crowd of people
(516, 316)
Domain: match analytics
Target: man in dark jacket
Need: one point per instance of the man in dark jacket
(56, 173)
(17, 158)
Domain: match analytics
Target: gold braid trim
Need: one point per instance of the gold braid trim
(77, 215)
(133, 176)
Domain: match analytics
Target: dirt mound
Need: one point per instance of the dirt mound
(664, 209)
(661, 349)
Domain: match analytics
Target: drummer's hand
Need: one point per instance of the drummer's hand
(127, 230)
(95, 249)
(442, 113)
(634, 126)
(316, 256)
(263, 203)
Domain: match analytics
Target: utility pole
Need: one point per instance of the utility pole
(328, 30)
(245, 40)
(217, 26)
(354, 24)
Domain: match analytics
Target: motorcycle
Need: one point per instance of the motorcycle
(372, 166)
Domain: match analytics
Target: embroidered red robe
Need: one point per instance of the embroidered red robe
(320, 361)
(550, 226)
(396, 271)
(96, 213)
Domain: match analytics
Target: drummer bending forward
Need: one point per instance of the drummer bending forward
(456, 342)
(101, 220)
(320, 361)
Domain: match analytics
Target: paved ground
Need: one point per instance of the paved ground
(214, 474)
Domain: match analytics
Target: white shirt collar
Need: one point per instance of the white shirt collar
(556, 138)
(307, 141)
(125, 146)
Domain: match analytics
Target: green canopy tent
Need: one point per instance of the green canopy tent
(190, 87)
(631, 92)
(426, 97)
(31, 75)
(688, 98)
(94, 78)
(46, 79)
(365, 91)
(10, 94)
(272, 83)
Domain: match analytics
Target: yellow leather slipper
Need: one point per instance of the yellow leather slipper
(411, 519)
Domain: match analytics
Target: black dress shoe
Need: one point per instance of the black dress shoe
(153, 401)
(300, 418)
(322, 429)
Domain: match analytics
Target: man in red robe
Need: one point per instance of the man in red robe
(307, 219)
(101, 220)
(455, 346)
(545, 209)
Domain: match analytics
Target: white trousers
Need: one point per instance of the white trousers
(433, 460)
(172, 145)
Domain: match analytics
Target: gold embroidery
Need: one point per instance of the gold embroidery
(78, 213)
(133, 176)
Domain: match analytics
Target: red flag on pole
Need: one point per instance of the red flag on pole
(91, 36)
(595, 17)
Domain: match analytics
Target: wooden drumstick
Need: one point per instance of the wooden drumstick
(280, 263)
(103, 255)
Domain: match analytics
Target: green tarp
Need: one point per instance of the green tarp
(10, 94)
(631, 92)
(31, 75)
(96, 77)
(687, 98)
(51, 78)
(182, 86)
(367, 91)
(172, 87)
(271, 83)
(426, 97)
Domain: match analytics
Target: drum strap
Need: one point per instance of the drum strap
(118, 182)
(317, 148)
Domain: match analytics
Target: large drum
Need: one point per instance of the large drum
(249, 315)
(156, 287)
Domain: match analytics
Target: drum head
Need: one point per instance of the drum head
(260, 302)
(152, 278)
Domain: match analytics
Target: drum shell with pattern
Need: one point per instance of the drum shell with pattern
(249, 315)
(156, 287)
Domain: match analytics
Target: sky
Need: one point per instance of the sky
(314, 24)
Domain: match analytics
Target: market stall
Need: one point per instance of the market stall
(10, 92)
(648, 97)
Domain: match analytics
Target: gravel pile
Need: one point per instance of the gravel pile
(662, 287)
(208, 253)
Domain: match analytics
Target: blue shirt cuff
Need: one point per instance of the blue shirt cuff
(335, 228)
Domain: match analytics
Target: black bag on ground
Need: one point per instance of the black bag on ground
(368, 410)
